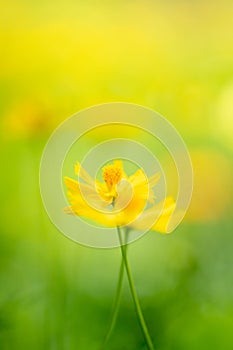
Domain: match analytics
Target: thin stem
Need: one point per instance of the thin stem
(116, 305)
(134, 295)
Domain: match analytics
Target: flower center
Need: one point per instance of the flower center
(112, 174)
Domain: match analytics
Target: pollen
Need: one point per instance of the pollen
(112, 174)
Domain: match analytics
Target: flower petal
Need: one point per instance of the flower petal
(81, 208)
(87, 192)
(83, 174)
(153, 179)
(125, 194)
(156, 218)
(143, 185)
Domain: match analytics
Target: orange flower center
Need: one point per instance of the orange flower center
(112, 174)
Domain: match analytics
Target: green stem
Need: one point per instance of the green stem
(116, 305)
(134, 295)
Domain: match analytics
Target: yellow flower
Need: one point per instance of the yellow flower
(119, 200)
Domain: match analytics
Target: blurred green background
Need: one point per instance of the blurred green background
(59, 57)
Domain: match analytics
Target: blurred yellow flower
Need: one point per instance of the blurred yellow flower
(212, 190)
(27, 119)
(119, 200)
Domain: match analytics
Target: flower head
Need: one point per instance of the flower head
(119, 200)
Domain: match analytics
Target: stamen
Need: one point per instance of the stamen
(112, 174)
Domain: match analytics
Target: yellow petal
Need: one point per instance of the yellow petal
(83, 174)
(156, 218)
(83, 209)
(138, 178)
(87, 192)
(104, 192)
(132, 211)
(163, 221)
(80, 206)
(153, 179)
(125, 195)
(143, 185)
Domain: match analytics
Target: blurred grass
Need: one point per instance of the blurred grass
(175, 57)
